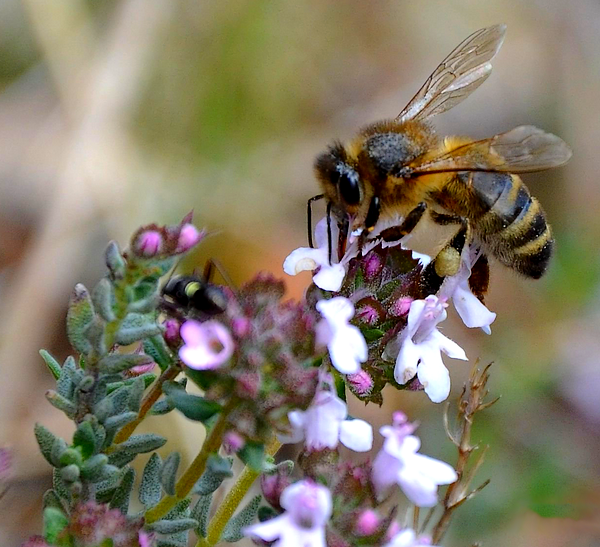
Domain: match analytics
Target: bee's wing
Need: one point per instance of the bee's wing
(459, 74)
(522, 150)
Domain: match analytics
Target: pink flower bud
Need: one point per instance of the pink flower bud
(368, 314)
(372, 265)
(141, 369)
(189, 236)
(273, 485)
(361, 383)
(367, 523)
(401, 306)
(240, 327)
(148, 244)
(233, 442)
(171, 335)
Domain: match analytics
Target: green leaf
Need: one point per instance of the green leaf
(106, 487)
(120, 499)
(201, 512)
(55, 521)
(217, 470)
(371, 335)
(266, 513)
(150, 491)
(136, 327)
(51, 363)
(191, 406)
(156, 347)
(119, 362)
(70, 474)
(136, 392)
(121, 459)
(71, 456)
(79, 318)
(117, 422)
(59, 486)
(58, 448)
(161, 407)
(85, 439)
(233, 530)
(51, 499)
(103, 297)
(93, 469)
(253, 455)
(114, 260)
(45, 439)
(168, 474)
(62, 403)
(138, 444)
(173, 526)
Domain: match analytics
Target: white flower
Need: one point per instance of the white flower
(419, 348)
(408, 538)
(308, 508)
(399, 463)
(330, 276)
(324, 423)
(471, 310)
(346, 344)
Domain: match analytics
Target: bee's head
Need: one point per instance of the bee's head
(345, 190)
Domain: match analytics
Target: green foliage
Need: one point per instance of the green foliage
(120, 499)
(253, 455)
(150, 490)
(168, 473)
(45, 439)
(155, 347)
(79, 319)
(55, 521)
(233, 530)
(191, 406)
(51, 363)
(217, 470)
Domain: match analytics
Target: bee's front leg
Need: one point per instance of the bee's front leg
(394, 233)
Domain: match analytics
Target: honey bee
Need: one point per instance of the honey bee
(401, 167)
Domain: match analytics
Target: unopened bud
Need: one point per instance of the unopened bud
(367, 523)
(148, 244)
(401, 306)
(233, 442)
(189, 236)
(361, 383)
(171, 335)
(372, 266)
(274, 484)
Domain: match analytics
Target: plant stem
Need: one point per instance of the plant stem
(233, 499)
(186, 482)
(151, 397)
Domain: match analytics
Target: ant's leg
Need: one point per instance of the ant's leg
(309, 218)
(394, 233)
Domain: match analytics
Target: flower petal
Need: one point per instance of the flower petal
(419, 489)
(471, 310)
(449, 347)
(330, 277)
(406, 362)
(348, 349)
(357, 435)
(440, 472)
(434, 375)
(303, 259)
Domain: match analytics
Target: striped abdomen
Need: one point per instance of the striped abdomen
(511, 225)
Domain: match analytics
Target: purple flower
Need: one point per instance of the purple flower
(324, 423)
(308, 508)
(419, 347)
(398, 463)
(471, 310)
(207, 345)
(148, 243)
(346, 344)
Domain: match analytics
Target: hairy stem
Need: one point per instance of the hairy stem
(233, 499)
(151, 397)
(196, 468)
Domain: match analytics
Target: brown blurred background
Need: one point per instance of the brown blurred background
(119, 113)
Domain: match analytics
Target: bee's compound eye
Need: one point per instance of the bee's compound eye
(348, 187)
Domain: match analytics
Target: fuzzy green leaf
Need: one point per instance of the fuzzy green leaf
(45, 439)
(114, 260)
(145, 442)
(173, 526)
(253, 455)
(79, 318)
(51, 499)
(121, 459)
(103, 297)
(191, 406)
(59, 486)
(55, 521)
(233, 530)
(168, 473)
(201, 512)
(62, 403)
(161, 407)
(58, 448)
(136, 327)
(70, 473)
(136, 391)
(119, 362)
(112, 477)
(51, 363)
(156, 347)
(150, 491)
(85, 439)
(117, 422)
(371, 335)
(217, 470)
(71, 456)
(122, 495)
(266, 513)
(94, 469)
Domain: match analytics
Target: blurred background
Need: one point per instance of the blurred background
(118, 113)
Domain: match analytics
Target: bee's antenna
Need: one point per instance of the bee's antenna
(309, 218)
(213, 264)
